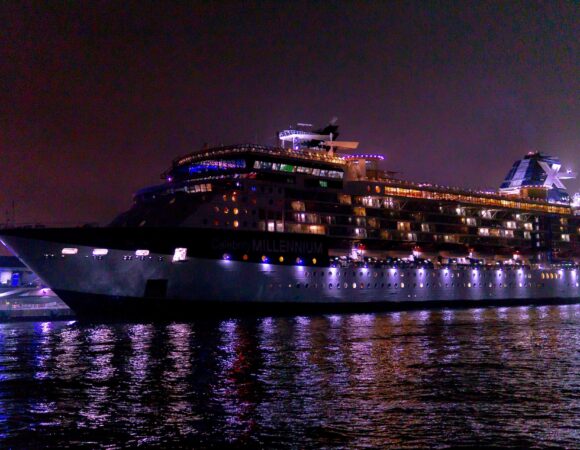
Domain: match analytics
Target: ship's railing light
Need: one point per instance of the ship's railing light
(100, 252)
(69, 251)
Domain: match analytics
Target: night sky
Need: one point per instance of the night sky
(97, 98)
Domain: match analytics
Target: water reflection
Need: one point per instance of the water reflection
(406, 379)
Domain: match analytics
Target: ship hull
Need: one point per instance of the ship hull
(105, 307)
(122, 285)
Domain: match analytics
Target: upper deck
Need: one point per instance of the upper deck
(358, 180)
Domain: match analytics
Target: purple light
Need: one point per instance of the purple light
(226, 257)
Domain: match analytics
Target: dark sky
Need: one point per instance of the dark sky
(96, 98)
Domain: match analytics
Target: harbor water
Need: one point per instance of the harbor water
(504, 377)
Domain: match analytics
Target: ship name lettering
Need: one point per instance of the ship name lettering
(286, 246)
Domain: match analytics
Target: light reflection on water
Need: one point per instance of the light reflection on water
(508, 376)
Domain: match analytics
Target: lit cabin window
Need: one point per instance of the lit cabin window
(471, 221)
(180, 254)
(100, 252)
(483, 231)
(141, 252)
(404, 226)
(70, 251)
(566, 237)
(527, 235)
(511, 225)
(507, 233)
(298, 206)
(528, 226)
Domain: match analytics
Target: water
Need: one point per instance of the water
(508, 377)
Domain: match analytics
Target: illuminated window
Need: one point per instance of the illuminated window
(298, 206)
(100, 252)
(471, 221)
(70, 251)
(236, 224)
(180, 254)
(344, 199)
(511, 225)
(566, 237)
(483, 231)
(141, 252)
(507, 233)
(404, 226)
(360, 232)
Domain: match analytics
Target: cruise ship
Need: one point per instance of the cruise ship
(313, 225)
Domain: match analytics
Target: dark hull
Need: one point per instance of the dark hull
(92, 306)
